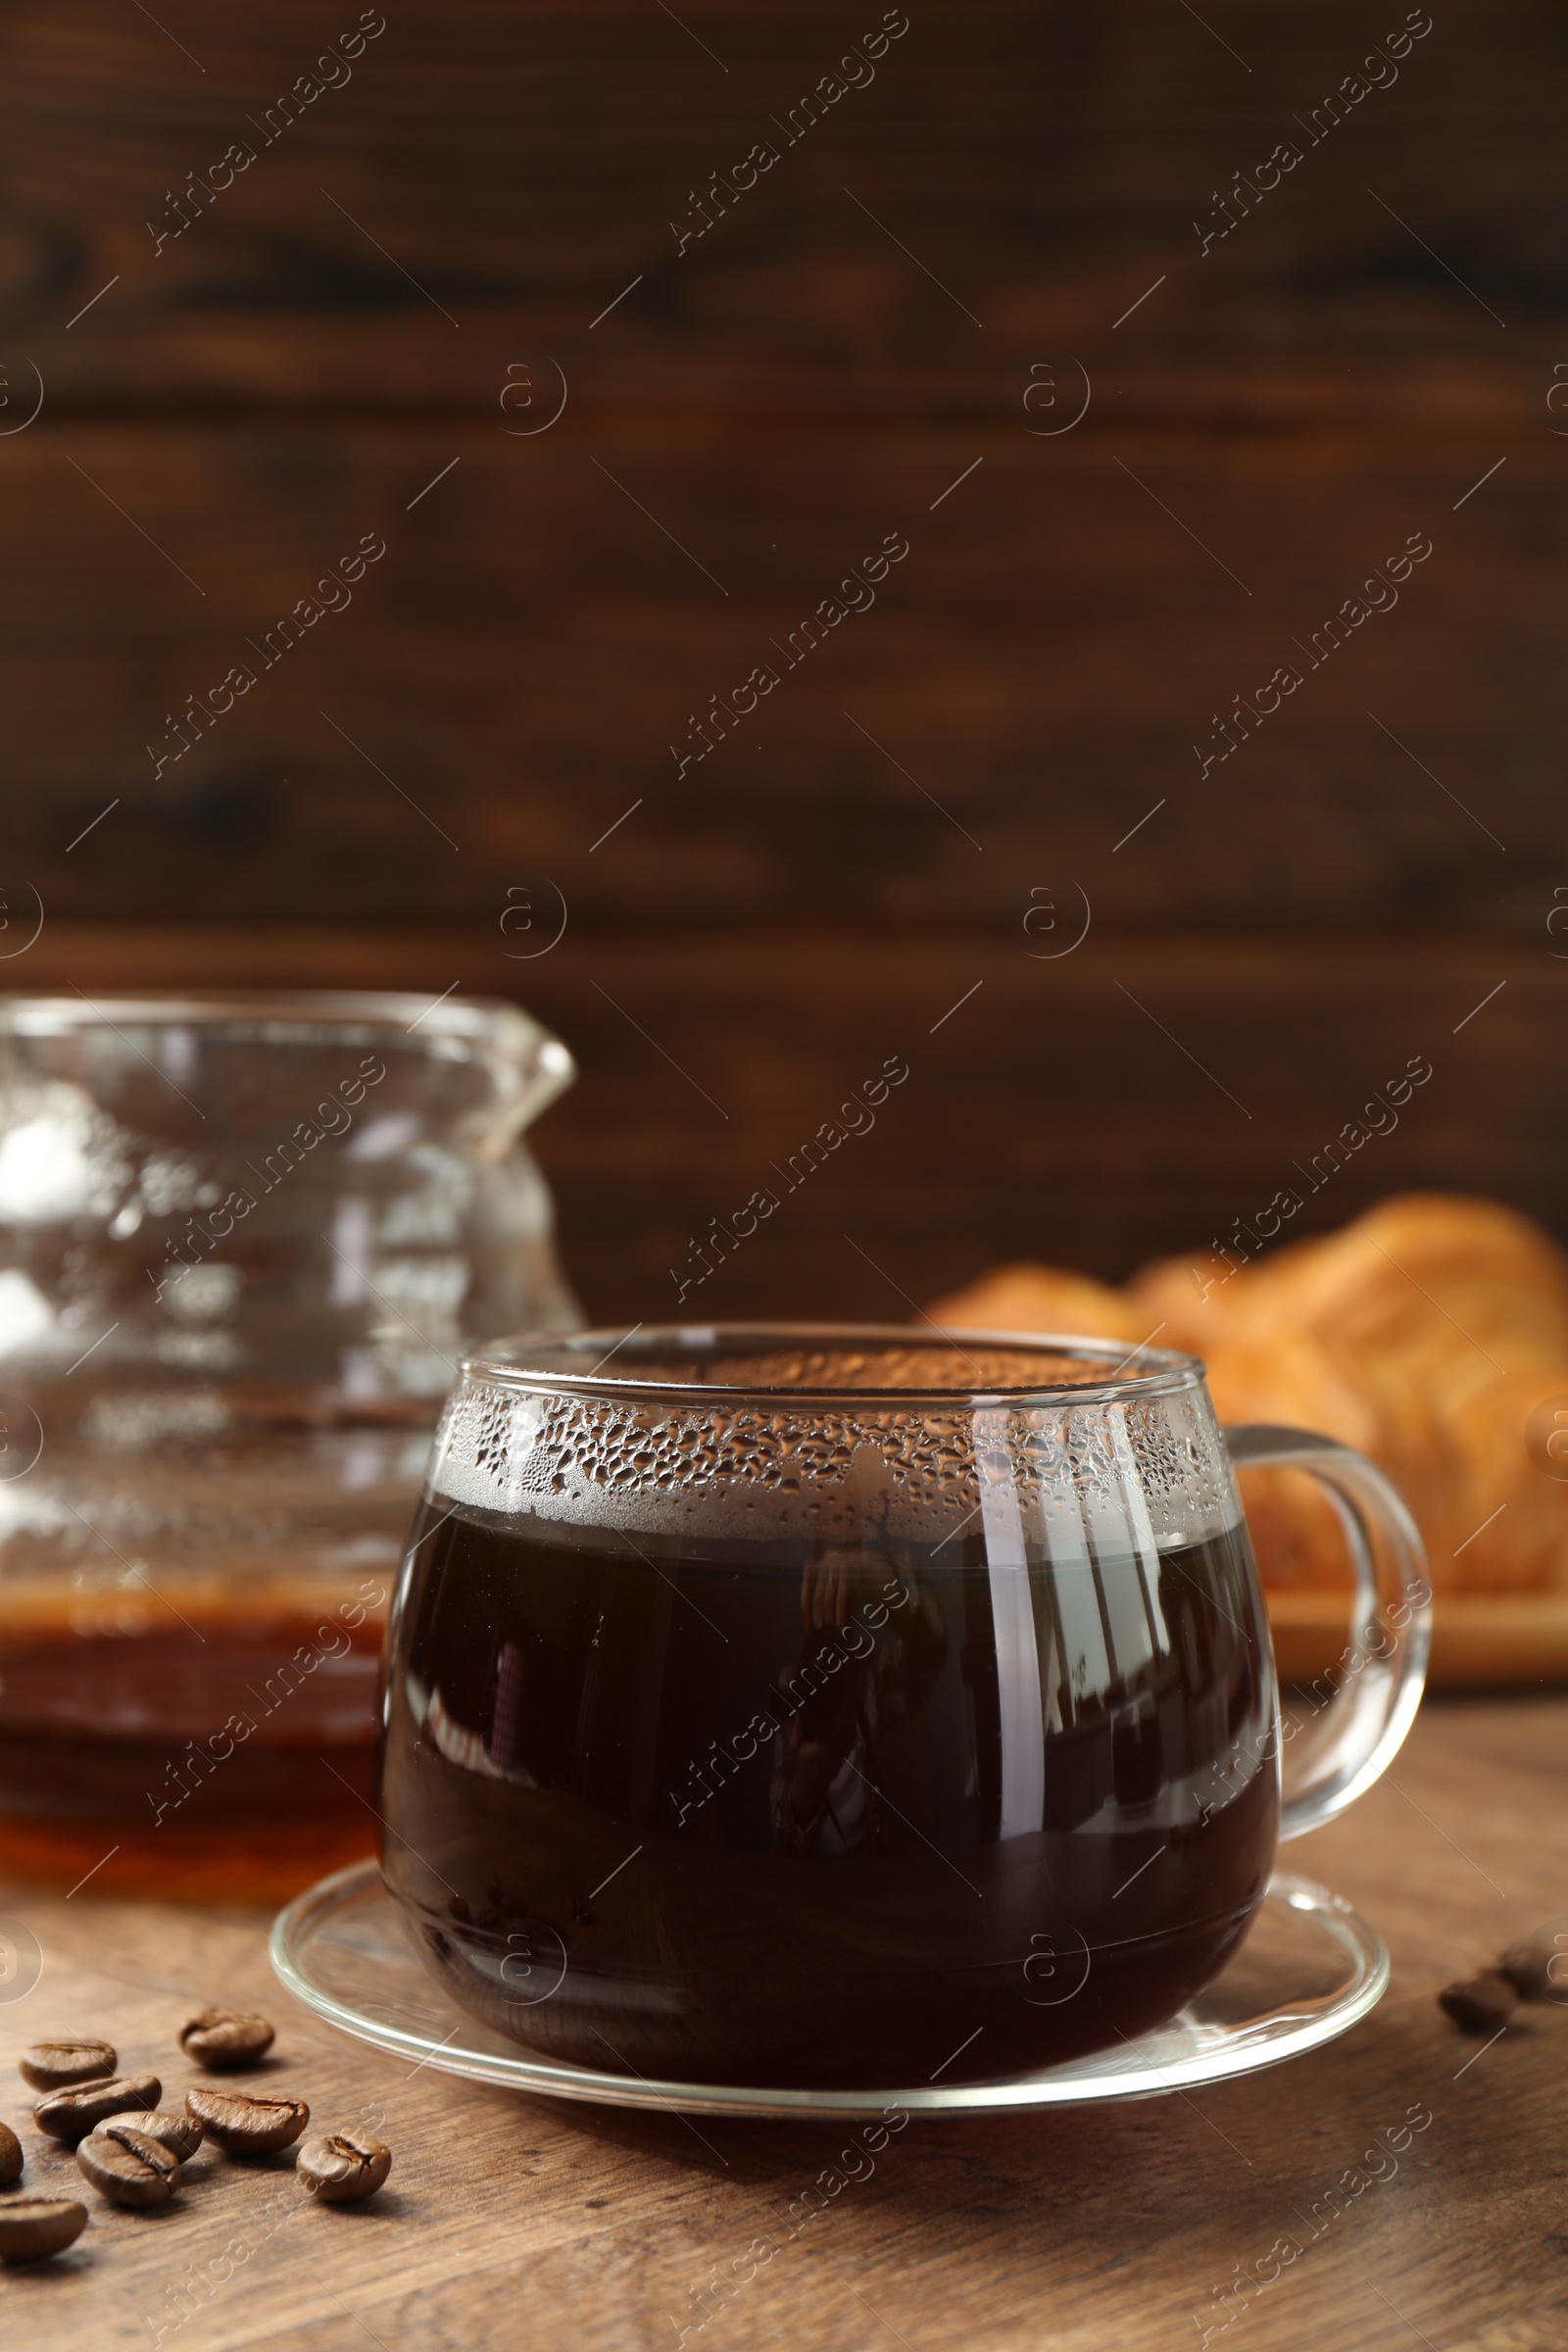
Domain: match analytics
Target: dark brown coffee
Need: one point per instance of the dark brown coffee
(248, 2122)
(339, 2168)
(225, 2040)
(128, 2167)
(70, 2115)
(229, 1756)
(34, 2228)
(56, 2065)
(785, 1813)
(180, 2134)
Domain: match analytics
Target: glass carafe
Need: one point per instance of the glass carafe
(242, 1242)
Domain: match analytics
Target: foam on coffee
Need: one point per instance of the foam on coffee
(819, 1466)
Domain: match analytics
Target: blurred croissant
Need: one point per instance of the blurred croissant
(1429, 1333)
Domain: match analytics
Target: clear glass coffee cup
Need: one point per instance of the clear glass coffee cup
(849, 1706)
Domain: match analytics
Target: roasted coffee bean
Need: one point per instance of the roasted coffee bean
(245, 2122)
(180, 2134)
(128, 2167)
(226, 2038)
(70, 2115)
(53, 2065)
(1480, 2007)
(10, 2156)
(1528, 1968)
(339, 2167)
(32, 2226)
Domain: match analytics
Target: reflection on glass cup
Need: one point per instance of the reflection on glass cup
(851, 1706)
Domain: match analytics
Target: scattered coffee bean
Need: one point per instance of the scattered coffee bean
(180, 2134)
(1480, 2007)
(53, 2065)
(339, 2167)
(128, 2167)
(1528, 1968)
(10, 2156)
(70, 2115)
(32, 2227)
(246, 2124)
(226, 2038)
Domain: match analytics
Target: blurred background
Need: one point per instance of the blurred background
(1034, 291)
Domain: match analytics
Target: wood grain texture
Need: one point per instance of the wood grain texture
(1058, 1113)
(1477, 1643)
(514, 172)
(1056, 661)
(227, 415)
(509, 2219)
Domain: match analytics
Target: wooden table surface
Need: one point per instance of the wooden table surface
(510, 2221)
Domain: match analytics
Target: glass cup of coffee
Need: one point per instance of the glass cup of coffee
(854, 1706)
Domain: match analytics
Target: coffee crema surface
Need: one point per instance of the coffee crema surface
(787, 1370)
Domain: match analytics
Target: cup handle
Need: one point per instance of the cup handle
(1355, 1733)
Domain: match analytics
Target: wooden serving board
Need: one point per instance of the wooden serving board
(1477, 1639)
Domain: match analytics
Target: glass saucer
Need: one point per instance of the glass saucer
(1309, 1967)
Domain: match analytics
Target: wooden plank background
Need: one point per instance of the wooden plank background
(322, 353)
